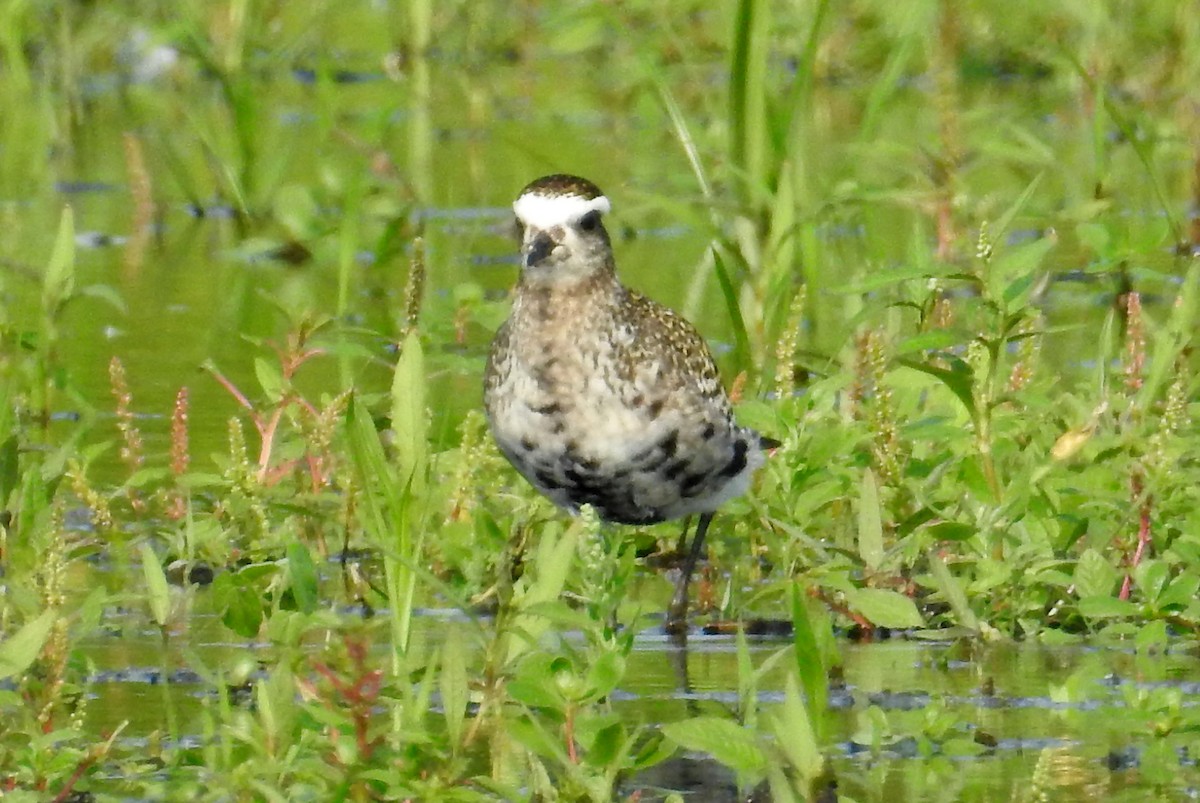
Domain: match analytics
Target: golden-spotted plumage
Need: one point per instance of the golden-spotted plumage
(599, 395)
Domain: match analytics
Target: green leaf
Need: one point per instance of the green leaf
(1106, 607)
(951, 531)
(606, 743)
(870, 523)
(59, 281)
(239, 601)
(1150, 578)
(1180, 593)
(453, 684)
(19, 651)
(933, 340)
(810, 659)
(269, 378)
(724, 740)
(605, 673)
(106, 293)
(1006, 219)
(1094, 575)
(653, 750)
(158, 591)
(553, 565)
(959, 379)
(952, 590)
(408, 411)
(885, 608)
(729, 293)
(795, 735)
(9, 464)
(302, 574)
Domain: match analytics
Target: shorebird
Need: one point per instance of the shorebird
(598, 395)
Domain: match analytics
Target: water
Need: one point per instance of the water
(353, 164)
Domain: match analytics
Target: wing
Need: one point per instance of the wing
(665, 339)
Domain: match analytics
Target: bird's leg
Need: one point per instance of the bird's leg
(677, 612)
(682, 542)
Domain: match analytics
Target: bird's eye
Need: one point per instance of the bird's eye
(590, 221)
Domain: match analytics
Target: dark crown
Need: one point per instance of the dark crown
(563, 184)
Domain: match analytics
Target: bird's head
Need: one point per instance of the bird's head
(561, 231)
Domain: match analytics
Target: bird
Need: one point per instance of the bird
(600, 396)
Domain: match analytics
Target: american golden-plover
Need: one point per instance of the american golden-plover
(600, 396)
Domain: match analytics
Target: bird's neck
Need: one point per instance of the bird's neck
(565, 298)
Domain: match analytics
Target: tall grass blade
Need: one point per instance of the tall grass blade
(730, 294)
(810, 661)
(409, 413)
(386, 519)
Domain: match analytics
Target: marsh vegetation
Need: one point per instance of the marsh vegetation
(256, 542)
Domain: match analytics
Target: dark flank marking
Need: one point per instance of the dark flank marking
(558, 426)
(691, 483)
(709, 432)
(738, 461)
(638, 400)
(675, 469)
(576, 479)
(655, 409)
(527, 444)
(553, 408)
(546, 478)
(669, 444)
(588, 465)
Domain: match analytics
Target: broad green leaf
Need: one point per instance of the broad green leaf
(933, 340)
(269, 378)
(552, 566)
(959, 379)
(724, 740)
(885, 608)
(19, 651)
(795, 735)
(303, 576)
(605, 673)
(59, 281)
(952, 590)
(1150, 577)
(870, 523)
(1106, 607)
(158, 591)
(602, 735)
(653, 750)
(1180, 593)
(239, 601)
(1094, 575)
(950, 531)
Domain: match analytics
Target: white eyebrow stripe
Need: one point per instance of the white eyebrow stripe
(544, 212)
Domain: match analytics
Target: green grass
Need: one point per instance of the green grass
(950, 250)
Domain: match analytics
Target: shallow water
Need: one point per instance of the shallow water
(964, 721)
(438, 147)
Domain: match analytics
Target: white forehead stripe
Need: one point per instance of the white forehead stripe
(544, 211)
